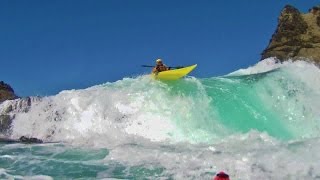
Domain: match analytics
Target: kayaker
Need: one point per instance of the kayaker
(159, 67)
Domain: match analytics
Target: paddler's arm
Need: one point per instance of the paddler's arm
(155, 71)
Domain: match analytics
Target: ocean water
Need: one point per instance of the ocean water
(262, 122)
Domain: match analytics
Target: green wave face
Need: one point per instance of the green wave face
(276, 102)
(282, 102)
(140, 128)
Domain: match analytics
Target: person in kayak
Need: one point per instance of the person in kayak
(159, 67)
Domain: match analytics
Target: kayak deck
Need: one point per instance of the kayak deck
(174, 74)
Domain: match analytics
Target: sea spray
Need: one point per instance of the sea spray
(250, 123)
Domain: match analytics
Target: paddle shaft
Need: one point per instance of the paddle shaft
(177, 67)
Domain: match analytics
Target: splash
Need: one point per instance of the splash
(189, 128)
(282, 102)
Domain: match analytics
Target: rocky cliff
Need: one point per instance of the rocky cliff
(6, 92)
(297, 35)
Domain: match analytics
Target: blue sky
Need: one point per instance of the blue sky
(48, 46)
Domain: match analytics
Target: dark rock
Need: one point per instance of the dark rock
(5, 123)
(5, 86)
(6, 92)
(9, 110)
(30, 140)
(314, 9)
(297, 36)
(22, 139)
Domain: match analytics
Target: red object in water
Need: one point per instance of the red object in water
(221, 176)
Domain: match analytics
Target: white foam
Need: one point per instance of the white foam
(144, 123)
(262, 66)
(113, 112)
(6, 175)
(272, 64)
(142, 108)
(249, 156)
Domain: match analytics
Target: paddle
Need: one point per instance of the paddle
(176, 67)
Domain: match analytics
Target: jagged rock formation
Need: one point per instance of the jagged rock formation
(6, 92)
(8, 109)
(297, 36)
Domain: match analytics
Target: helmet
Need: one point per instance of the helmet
(158, 60)
(221, 176)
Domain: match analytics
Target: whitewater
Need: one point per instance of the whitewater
(262, 122)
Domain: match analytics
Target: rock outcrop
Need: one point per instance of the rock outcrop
(297, 36)
(9, 109)
(6, 92)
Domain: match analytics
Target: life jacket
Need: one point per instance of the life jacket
(161, 67)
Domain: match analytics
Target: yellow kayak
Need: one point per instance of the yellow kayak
(174, 74)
